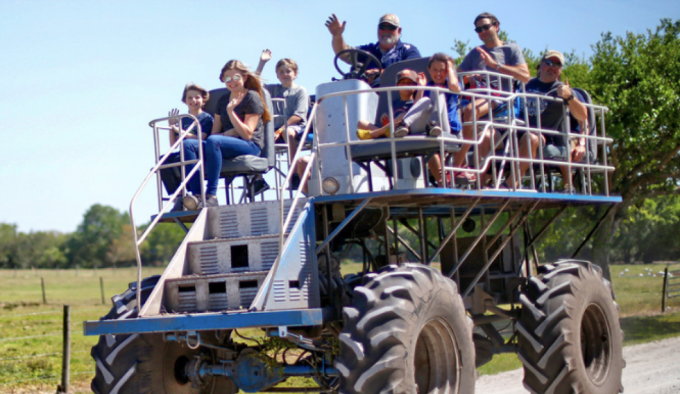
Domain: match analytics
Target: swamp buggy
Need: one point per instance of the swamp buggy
(448, 277)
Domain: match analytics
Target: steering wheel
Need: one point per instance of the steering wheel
(358, 70)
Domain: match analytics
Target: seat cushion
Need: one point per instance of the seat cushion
(245, 163)
(404, 147)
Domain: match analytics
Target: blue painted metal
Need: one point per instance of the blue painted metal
(308, 370)
(206, 321)
(443, 192)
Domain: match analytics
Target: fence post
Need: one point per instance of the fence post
(663, 292)
(101, 285)
(66, 359)
(42, 284)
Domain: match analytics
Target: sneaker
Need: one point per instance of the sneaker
(364, 134)
(432, 129)
(260, 186)
(211, 201)
(465, 178)
(401, 130)
(192, 202)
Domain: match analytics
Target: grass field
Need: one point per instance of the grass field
(31, 338)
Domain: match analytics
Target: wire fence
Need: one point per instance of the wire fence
(26, 364)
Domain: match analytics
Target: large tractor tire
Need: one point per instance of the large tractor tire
(406, 332)
(144, 363)
(570, 340)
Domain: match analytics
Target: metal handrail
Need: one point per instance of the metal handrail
(284, 222)
(198, 166)
(483, 93)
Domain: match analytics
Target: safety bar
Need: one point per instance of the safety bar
(198, 167)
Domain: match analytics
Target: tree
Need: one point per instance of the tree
(90, 245)
(161, 244)
(8, 245)
(638, 78)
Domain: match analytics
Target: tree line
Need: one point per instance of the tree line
(102, 239)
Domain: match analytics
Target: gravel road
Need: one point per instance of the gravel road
(651, 368)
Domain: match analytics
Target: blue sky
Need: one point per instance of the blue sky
(80, 80)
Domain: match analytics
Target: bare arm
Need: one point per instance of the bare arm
(245, 128)
(217, 125)
(293, 120)
(264, 58)
(452, 77)
(520, 72)
(576, 107)
(422, 81)
(336, 29)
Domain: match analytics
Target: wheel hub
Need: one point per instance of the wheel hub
(437, 357)
(596, 348)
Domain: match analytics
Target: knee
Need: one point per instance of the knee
(291, 134)
(467, 114)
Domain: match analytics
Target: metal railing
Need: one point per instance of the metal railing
(285, 219)
(198, 167)
(510, 125)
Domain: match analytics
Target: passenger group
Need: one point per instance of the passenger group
(238, 124)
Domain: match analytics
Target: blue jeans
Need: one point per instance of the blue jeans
(218, 148)
(172, 176)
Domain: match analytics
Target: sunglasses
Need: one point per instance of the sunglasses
(551, 63)
(484, 27)
(235, 78)
(387, 26)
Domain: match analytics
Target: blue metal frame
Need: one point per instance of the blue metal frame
(207, 321)
(432, 191)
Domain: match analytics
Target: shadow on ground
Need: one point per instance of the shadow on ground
(646, 328)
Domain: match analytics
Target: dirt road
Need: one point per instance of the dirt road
(652, 368)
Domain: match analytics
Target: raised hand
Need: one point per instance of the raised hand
(487, 58)
(266, 56)
(564, 91)
(422, 79)
(235, 101)
(173, 121)
(334, 26)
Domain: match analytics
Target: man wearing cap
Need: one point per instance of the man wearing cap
(496, 56)
(551, 112)
(389, 49)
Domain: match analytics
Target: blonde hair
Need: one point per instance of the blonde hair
(252, 82)
(192, 86)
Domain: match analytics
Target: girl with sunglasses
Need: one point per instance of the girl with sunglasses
(238, 128)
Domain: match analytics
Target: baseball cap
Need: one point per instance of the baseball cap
(409, 74)
(389, 18)
(551, 53)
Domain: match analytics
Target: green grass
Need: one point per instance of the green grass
(20, 295)
(22, 314)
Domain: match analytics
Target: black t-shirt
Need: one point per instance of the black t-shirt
(251, 104)
(552, 112)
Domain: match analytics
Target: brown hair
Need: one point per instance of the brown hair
(287, 62)
(252, 82)
(439, 57)
(486, 15)
(192, 86)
